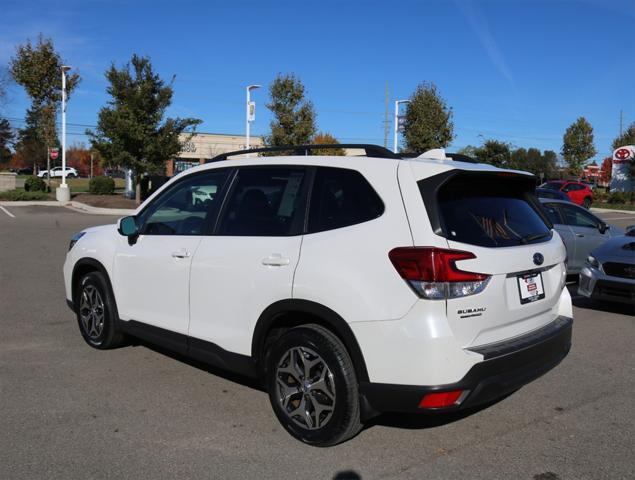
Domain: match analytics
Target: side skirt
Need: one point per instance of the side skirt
(201, 350)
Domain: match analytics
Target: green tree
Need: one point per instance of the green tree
(577, 145)
(38, 68)
(293, 115)
(627, 138)
(323, 138)
(428, 123)
(131, 129)
(6, 140)
(495, 153)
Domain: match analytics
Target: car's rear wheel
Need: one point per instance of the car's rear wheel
(97, 312)
(313, 387)
(586, 203)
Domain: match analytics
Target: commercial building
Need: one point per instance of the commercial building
(204, 146)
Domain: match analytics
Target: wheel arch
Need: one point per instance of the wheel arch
(289, 313)
(84, 266)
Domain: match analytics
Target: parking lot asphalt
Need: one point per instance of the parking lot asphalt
(69, 411)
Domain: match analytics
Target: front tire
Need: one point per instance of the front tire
(97, 314)
(313, 387)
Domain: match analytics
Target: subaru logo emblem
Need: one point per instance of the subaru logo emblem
(538, 258)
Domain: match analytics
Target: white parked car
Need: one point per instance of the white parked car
(350, 286)
(57, 172)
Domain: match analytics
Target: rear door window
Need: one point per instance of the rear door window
(490, 212)
(551, 209)
(341, 197)
(578, 217)
(264, 201)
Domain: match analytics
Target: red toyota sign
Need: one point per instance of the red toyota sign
(622, 153)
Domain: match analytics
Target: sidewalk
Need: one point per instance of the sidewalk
(73, 205)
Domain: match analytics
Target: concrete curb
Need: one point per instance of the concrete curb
(73, 205)
(611, 210)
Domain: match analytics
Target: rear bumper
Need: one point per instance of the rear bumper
(506, 367)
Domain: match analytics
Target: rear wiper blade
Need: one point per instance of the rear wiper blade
(531, 238)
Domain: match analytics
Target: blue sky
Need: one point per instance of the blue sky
(517, 71)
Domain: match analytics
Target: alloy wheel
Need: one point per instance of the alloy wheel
(305, 388)
(91, 312)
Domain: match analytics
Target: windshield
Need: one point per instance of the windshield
(552, 185)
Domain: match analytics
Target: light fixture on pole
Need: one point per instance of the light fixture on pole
(62, 193)
(398, 127)
(251, 113)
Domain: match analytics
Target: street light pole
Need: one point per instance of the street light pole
(395, 140)
(62, 193)
(250, 113)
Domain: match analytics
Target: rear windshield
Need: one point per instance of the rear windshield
(489, 212)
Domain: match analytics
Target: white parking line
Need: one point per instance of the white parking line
(7, 212)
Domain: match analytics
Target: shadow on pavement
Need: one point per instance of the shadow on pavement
(610, 307)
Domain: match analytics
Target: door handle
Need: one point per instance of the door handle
(181, 254)
(275, 260)
(579, 234)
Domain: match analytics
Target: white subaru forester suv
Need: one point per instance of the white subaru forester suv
(350, 285)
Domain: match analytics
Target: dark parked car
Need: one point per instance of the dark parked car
(25, 171)
(552, 194)
(609, 273)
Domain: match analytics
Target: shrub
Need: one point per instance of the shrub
(34, 184)
(618, 197)
(17, 195)
(101, 186)
(600, 195)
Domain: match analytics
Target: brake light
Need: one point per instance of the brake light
(433, 274)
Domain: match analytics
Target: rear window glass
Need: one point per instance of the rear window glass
(489, 212)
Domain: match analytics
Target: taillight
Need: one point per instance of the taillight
(432, 272)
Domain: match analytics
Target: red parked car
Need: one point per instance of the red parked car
(578, 192)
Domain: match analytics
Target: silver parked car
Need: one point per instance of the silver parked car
(580, 230)
(609, 273)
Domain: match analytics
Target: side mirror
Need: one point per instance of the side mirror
(603, 227)
(127, 226)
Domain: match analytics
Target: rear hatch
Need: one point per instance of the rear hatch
(495, 217)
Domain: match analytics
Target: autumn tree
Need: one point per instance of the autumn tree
(132, 130)
(293, 115)
(6, 140)
(428, 123)
(323, 138)
(37, 67)
(577, 145)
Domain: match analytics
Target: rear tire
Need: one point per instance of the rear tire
(313, 387)
(586, 203)
(97, 314)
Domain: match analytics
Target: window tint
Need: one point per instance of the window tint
(552, 212)
(489, 212)
(185, 207)
(340, 198)
(264, 202)
(578, 217)
(552, 185)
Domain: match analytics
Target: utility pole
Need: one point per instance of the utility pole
(387, 117)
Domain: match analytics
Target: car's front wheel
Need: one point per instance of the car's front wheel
(313, 387)
(97, 312)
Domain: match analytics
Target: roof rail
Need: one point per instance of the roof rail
(371, 150)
